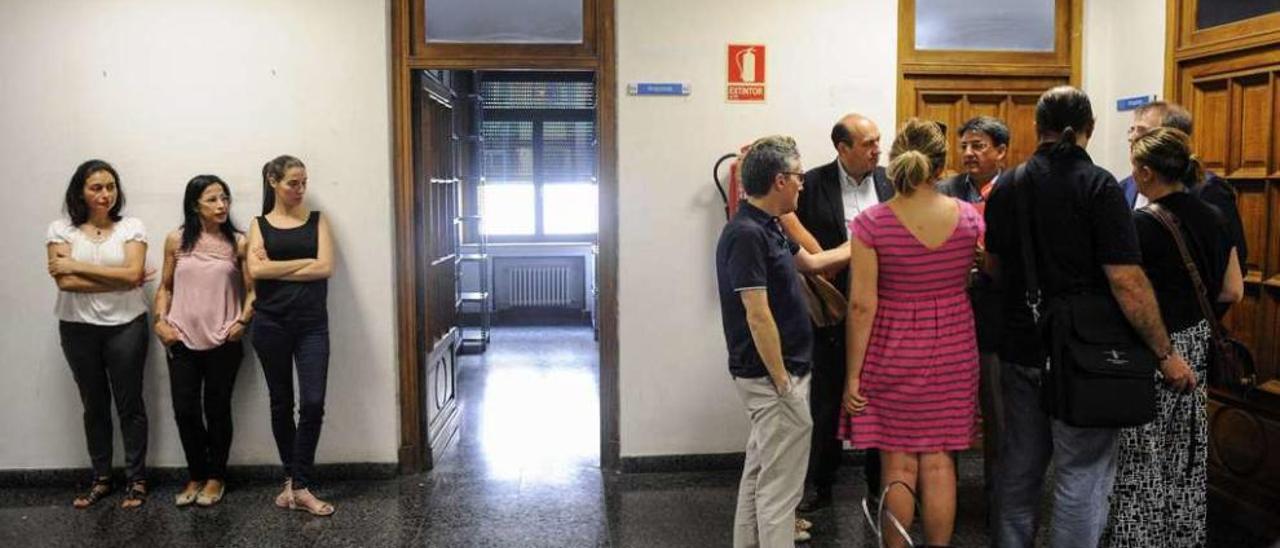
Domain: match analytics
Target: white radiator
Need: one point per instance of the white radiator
(540, 286)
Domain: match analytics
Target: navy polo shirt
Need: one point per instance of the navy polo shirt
(753, 253)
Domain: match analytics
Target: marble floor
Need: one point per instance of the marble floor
(523, 473)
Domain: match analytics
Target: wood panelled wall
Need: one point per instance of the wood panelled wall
(1229, 78)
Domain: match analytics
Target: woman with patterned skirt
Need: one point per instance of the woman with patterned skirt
(1160, 487)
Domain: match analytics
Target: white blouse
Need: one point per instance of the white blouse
(109, 308)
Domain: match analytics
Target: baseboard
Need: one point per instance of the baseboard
(713, 462)
(53, 477)
(657, 464)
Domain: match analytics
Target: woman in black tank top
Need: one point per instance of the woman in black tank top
(290, 260)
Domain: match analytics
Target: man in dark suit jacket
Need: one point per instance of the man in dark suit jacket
(1214, 190)
(833, 194)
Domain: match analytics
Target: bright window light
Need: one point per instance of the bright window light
(507, 209)
(569, 208)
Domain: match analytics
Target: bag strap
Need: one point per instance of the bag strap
(1171, 223)
(1021, 187)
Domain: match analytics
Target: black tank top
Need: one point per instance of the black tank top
(280, 297)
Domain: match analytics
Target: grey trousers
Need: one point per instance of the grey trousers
(991, 400)
(777, 456)
(1084, 467)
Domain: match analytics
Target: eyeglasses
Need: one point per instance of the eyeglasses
(976, 146)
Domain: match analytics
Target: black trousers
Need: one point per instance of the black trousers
(281, 344)
(201, 382)
(826, 396)
(107, 362)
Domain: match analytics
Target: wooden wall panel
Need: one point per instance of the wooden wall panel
(1266, 351)
(1275, 123)
(982, 105)
(1242, 319)
(1209, 105)
(1251, 200)
(1021, 118)
(1270, 229)
(1251, 125)
(1242, 445)
(943, 108)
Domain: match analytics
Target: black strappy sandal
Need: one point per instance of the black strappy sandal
(137, 492)
(101, 488)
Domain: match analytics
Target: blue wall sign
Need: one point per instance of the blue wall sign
(1130, 103)
(658, 88)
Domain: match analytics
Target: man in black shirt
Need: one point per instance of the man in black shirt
(833, 195)
(766, 329)
(1085, 242)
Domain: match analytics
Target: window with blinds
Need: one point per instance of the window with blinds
(539, 155)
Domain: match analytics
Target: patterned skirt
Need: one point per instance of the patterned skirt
(1161, 475)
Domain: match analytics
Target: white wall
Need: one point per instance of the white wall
(825, 58)
(1123, 57)
(167, 90)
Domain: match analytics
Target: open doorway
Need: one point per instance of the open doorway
(505, 200)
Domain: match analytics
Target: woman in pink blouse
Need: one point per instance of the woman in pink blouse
(203, 305)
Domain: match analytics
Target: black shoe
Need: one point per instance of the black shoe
(815, 501)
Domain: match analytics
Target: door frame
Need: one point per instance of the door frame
(408, 56)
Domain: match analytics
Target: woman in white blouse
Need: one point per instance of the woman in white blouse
(97, 258)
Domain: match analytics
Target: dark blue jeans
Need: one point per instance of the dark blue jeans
(281, 344)
(107, 362)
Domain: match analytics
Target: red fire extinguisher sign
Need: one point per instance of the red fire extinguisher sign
(746, 75)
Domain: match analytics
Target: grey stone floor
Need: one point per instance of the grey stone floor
(523, 473)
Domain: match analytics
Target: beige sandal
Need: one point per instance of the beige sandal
(285, 498)
(209, 498)
(188, 494)
(304, 500)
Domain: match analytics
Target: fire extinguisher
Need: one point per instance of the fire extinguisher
(747, 65)
(734, 193)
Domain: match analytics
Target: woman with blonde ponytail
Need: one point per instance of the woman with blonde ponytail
(912, 383)
(1161, 476)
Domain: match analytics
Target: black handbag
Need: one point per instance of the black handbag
(1230, 362)
(1098, 371)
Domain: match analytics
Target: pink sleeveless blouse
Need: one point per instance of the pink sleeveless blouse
(206, 293)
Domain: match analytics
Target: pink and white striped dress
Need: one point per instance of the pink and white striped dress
(920, 375)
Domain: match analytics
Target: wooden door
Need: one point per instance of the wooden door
(436, 201)
(1226, 75)
(953, 102)
(954, 85)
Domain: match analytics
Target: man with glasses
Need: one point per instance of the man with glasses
(766, 328)
(984, 141)
(983, 144)
(834, 194)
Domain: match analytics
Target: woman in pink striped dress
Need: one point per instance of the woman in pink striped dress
(913, 360)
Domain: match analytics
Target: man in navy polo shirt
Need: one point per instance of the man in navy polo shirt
(770, 341)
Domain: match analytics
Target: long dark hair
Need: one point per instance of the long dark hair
(191, 225)
(74, 204)
(1064, 111)
(274, 171)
